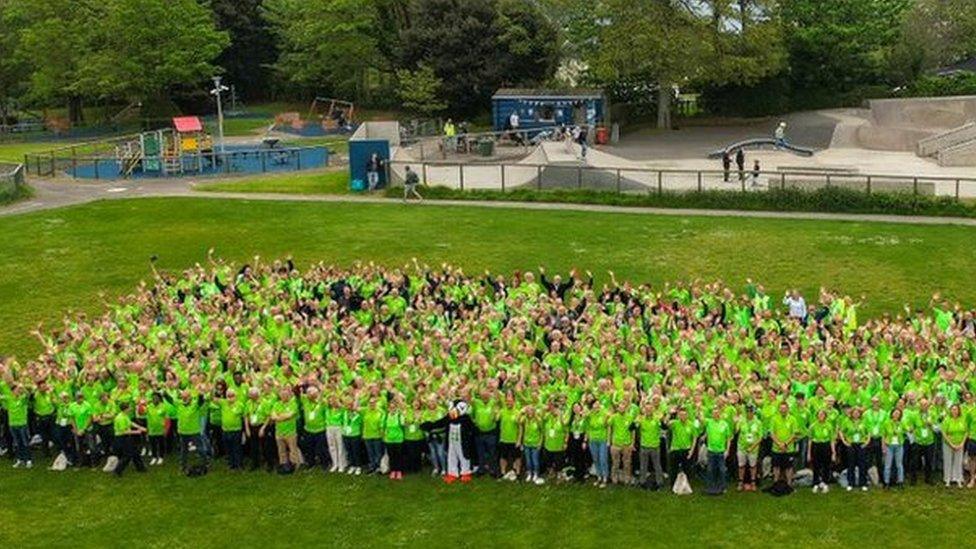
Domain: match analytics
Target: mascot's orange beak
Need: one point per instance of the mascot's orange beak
(453, 414)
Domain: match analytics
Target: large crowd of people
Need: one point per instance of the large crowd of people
(351, 370)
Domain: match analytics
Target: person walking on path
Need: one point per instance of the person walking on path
(410, 182)
(740, 162)
(726, 165)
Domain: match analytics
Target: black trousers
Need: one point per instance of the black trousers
(157, 445)
(820, 452)
(354, 450)
(553, 462)
(579, 459)
(106, 436)
(65, 441)
(394, 451)
(262, 450)
(922, 457)
(413, 451)
(45, 428)
(857, 459)
(318, 450)
(233, 448)
(875, 456)
(126, 448)
(678, 461)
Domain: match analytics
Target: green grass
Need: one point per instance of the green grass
(14, 152)
(331, 182)
(64, 259)
(164, 509)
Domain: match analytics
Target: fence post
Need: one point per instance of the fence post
(618, 180)
(298, 160)
(915, 186)
(538, 179)
(957, 190)
(52, 164)
(699, 181)
(461, 176)
(782, 181)
(502, 166)
(828, 180)
(95, 161)
(423, 166)
(869, 186)
(660, 182)
(579, 177)
(264, 161)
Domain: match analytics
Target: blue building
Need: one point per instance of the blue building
(538, 108)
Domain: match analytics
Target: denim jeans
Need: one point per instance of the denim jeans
(438, 454)
(601, 458)
(374, 452)
(21, 438)
(234, 449)
(485, 444)
(716, 472)
(531, 460)
(894, 457)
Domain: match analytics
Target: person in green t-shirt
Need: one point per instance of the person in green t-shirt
(333, 435)
(718, 440)
(509, 433)
(373, 416)
(853, 433)
(649, 425)
(955, 430)
(597, 431)
(352, 436)
(44, 415)
(556, 424)
(922, 450)
(485, 415)
(823, 449)
(157, 414)
(232, 425)
(17, 402)
(893, 434)
(531, 442)
(785, 431)
(393, 436)
(683, 431)
(187, 411)
(284, 413)
(621, 444)
(126, 440)
(314, 419)
(750, 429)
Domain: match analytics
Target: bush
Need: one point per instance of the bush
(941, 86)
(827, 199)
(10, 194)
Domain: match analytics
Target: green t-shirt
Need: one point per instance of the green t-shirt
(650, 430)
(156, 415)
(286, 427)
(954, 429)
(822, 431)
(532, 432)
(557, 431)
(393, 431)
(352, 424)
(373, 423)
(43, 404)
(508, 426)
(683, 434)
(484, 415)
(188, 417)
(314, 415)
(597, 425)
(750, 434)
(893, 431)
(231, 415)
(717, 435)
(81, 414)
(854, 431)
(622, 433)
(783, 429)
(122, 424)
(875, 420)
(16, 409)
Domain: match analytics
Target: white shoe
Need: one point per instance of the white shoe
(30, 464)
(824, 488)
(359, 471)
(159, 461)
(864, 488)
(539, 481)
(333, 468)
(849, 488)
(18, 463)
(816, 488)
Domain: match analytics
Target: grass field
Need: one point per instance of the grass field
(164, 509)
(65, 259)
(331, 182)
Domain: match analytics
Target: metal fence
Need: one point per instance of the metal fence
(11, 178)
(633, 180)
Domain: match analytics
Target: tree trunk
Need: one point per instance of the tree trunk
(75, 113)
(664, 106)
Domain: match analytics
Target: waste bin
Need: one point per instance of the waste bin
(486, 147)
(602, 135)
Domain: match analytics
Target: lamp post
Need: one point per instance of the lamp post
(216, 92)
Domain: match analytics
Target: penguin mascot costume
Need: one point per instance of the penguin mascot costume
(459, 429)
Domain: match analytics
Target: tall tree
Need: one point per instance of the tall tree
(14, 71)
(934, 33)
(325, 45)
(248, 60)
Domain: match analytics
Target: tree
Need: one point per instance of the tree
(476, 46)
(838, 45)
(420, 91)
(248, 60)
(325, 45)
(934, 33)
(131, 50)
(14, 72)
(645, 45)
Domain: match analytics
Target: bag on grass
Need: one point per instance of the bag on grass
(60, 463)
(110, 464)
(681, 486)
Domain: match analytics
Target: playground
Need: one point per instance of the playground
(183, 149)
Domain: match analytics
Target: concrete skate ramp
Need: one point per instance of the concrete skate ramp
(760, 143)
(924, 113)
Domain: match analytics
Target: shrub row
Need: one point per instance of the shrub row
(827, 199)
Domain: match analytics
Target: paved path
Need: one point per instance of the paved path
(57, 194)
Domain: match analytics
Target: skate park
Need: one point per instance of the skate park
(921, 145)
